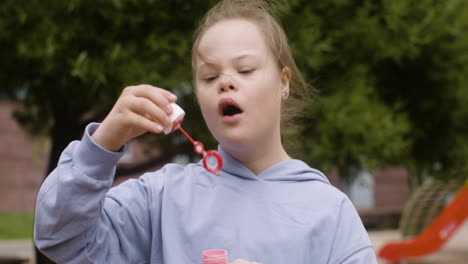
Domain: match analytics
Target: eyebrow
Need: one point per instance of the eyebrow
(208, 64)
(240, 57)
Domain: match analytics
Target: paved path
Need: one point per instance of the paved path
(17, 249)
(454, 252)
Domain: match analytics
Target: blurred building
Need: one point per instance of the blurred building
(379, 197)
(22, 164)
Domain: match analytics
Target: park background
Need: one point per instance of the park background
(387, 115)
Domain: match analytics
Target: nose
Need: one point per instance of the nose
(227, 83)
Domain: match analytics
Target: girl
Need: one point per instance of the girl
(263, 206)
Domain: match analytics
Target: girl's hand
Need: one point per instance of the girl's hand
(241, 261)
(133, 114)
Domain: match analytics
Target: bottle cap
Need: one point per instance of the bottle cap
(215, 256)
(176, 116)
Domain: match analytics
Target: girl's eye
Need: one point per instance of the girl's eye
(246, 71)
(210, 78)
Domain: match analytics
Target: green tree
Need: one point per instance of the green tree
(67, 61)
(392, 76)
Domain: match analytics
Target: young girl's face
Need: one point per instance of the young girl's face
(239, 85)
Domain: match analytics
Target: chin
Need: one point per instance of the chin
(237, 144)
(233, 141)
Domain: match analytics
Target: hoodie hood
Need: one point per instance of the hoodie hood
(288, 170)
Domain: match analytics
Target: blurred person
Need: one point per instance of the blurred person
(263, 206)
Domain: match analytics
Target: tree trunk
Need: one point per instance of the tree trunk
(64, 130)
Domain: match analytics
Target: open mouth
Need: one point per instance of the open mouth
(229, 107)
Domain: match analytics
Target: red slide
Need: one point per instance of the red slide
(435, 235)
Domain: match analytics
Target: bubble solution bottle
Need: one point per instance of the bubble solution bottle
(215, 256)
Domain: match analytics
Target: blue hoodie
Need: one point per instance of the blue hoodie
(288, 214)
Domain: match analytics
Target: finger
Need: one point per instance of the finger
(150, 92)
(146, 124)
(144, 107)
(159, 96)
(155, 95)
(170, 96)
(167, 94)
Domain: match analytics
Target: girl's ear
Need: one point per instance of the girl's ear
(285, 81)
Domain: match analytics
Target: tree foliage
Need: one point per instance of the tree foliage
(67, 61)
(393, 83)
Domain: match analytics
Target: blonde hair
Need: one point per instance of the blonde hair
(260, 13)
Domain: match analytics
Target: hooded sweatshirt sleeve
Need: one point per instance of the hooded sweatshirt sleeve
(78, 221)
(351, 244)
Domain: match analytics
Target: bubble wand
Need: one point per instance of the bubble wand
(212, 160)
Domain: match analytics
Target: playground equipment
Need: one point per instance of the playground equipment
(435, 235)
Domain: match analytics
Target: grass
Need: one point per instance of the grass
(16, 225)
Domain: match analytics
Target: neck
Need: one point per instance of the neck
(259, 157)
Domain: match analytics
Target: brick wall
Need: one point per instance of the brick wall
(391, 192)
(21, 168)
